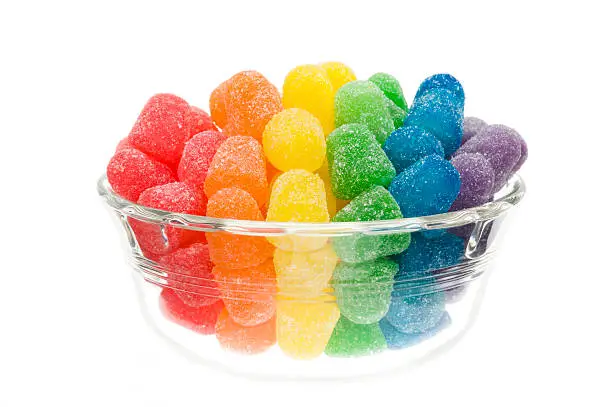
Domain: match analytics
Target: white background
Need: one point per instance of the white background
(73, 78)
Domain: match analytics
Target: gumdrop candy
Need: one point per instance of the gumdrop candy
(477, 178)
(232, 250)
(426, 255)
(323, 172)
(189, 272)
(130, 172)
(217, 105)
(197, 155)
(407, 145)
(174, 197)
(436, 112)
(248, 294)
(304, 274)
(245, 339)
(362, 102)
(239, 162)
(363, 290)
(443, 81)
(356, 161)
(198, 319)
(350, 339)
(198, 121)
(294, 139)
(338, 73)
(124, 144)
(499, 144)
(391, 87)
(374, 204)
(397, 115)
(471, 127)
(162, 128)
(250, 102)
(412, 311)
(304, 326)
(298, 196)
(399, 340)
(428, 187)
(309, 87)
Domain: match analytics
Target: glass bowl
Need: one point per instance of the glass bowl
(311, 300)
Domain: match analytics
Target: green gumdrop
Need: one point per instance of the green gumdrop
(374, 204)
(363, 290)
(356, 161)
(397, 114)
(362, 102)
(391, 88)
(349, 339)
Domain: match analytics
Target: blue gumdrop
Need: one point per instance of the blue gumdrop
(439, 112)
(407, 145)
(400, 340)
(425, 255)
(428, 187)
(443, 81)
(411, 312)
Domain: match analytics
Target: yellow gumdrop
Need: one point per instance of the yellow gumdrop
(308, 87)
(304, 326)
(294, 139)
(331, 199)
(304, 274)
(339, 74)
(298, 196)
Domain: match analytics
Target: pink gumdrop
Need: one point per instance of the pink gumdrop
(197, 155)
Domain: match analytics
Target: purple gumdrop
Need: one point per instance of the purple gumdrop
(477, 177)
(501, 145)
(524, 154)
(471, 127)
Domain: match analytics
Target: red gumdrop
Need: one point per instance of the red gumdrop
(130, 172)
(198, 121)
(162, 128)
(190, 275)
(174, 197)
(124, 144)
(199, 319)
(197, 155)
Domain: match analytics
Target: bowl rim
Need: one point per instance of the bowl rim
(508, 197)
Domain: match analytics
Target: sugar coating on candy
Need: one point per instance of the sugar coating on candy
(436, 111)
(189, 272)
(428, 187)
(338, 73)
(216, 103)
(374, 204)
(232, 250)
(198, 319)
(130, 172)
(397, 114)
(304, 326)
(427, 255)
(245, 339)
(174, 197)
(471, 127)
(329, 194)
(500, 145)
(250, 102)
(162, 128)
(298, 196)
(248, 293)
(198, 121)
(415, 313)
(363, 103)
(124, 144)
(363, 290)
(477, 178)
(391, 87)
(239, 162)
(197, 155)
(294, 139)
(400, 340)
(443, 81)
(356, 161)
(350, 339)
(304, 274)
(408, 144)
(309, 87)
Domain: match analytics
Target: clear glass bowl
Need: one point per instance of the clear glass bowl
(287, 300)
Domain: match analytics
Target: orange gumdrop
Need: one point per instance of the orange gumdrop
(248, 293)
(217, 105)
(239, 162)
(233, 250)
(245, 339)
(250, 102)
